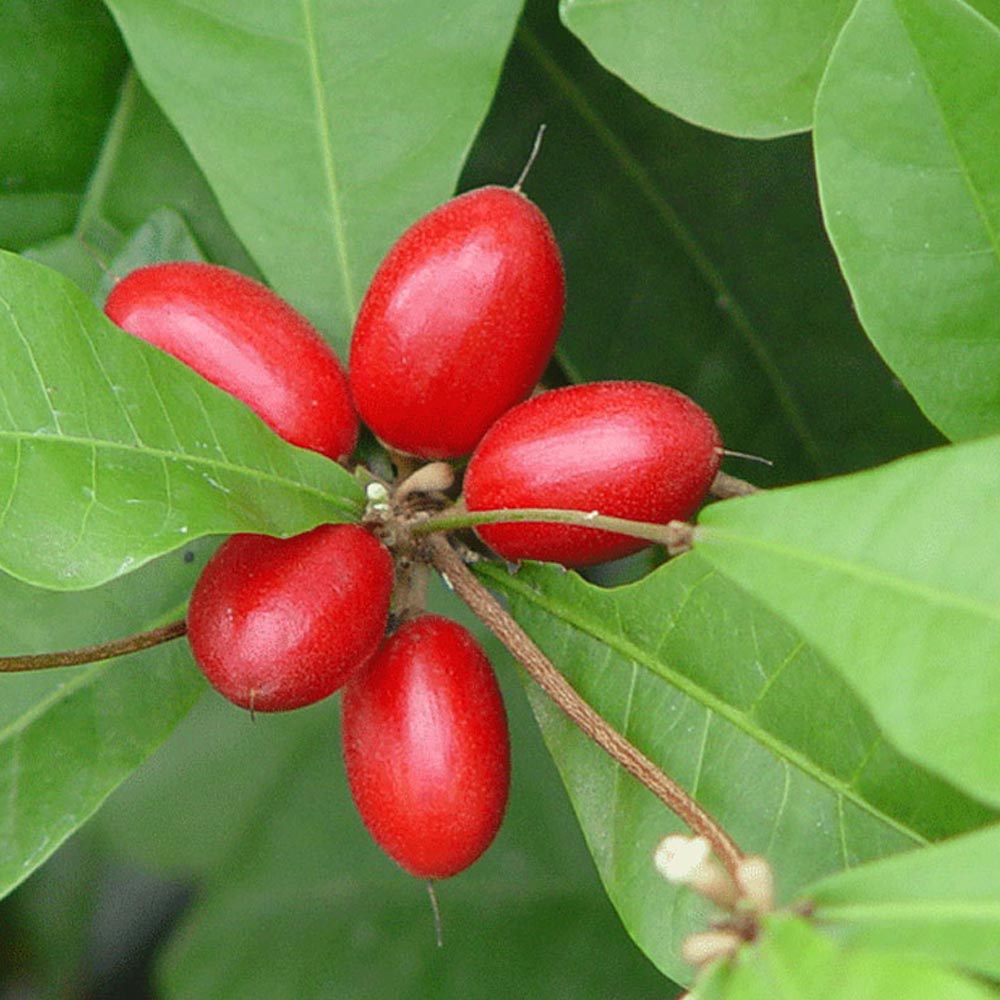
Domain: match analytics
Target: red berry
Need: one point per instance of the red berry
(458, 323)
(427, 748)
(628, 449)
(279, 623)
(244, 338)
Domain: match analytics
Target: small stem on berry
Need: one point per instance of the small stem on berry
(436, 912)
(92, 654)
(532, 156)
(744, 454)
(541, 669)
(661, 534)
(725, 486)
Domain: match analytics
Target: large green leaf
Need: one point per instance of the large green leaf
(793, 961)
(695, 260)
(749, 68)
(112, 452)
(147, 167)
(907, 121)
(892, 575)
(60, 68)
(323, 128)
(69, 737)
(738, 709)
(942, 902)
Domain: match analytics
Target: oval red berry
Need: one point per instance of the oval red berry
(627, 449)
(458, 323)
(427, 749)
(247, 340)
(277, 623)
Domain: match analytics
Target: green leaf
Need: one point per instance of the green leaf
(71, 257)
(29, 219)
(164, 236)
(737, 708)
(942, 902)
(343, 939)
(113, 452)
(891, 574)
(61, 64)
(146, 167)
(792, 960)
(323, 129)
(906, 125)
(697, 261)
(750, 68)
(69, 737)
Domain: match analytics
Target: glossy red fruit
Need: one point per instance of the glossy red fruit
(279, 623)
(458, 323)
(427, 748)
(629, 449)
(245, 339)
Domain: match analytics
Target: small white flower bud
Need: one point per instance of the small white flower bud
(756, 883)
(689, 861)
(708, 946)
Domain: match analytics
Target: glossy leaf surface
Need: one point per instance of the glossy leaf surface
(61, 64)
(794, 961)
(113, 452)
(906, 153)
(749, 68)
(303, 125)
(887, 574)
(737, 708)
(69, 737)
(941, 903)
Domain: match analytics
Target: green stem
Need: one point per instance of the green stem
(669, 534)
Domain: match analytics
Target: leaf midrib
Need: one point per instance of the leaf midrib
(896, 911)
(859, 571)
(946, 125)
(329, 162)
(711, 703)
(185, 458)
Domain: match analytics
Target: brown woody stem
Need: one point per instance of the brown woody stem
(91, 654)
(724, 487)
(541, 669)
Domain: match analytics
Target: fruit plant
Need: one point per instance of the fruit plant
(785, 213)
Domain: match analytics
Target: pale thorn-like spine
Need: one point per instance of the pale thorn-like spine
(688, 861)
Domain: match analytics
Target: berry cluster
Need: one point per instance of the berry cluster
(456, 329)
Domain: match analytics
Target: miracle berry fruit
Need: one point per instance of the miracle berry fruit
(277, 623)
(247, 340)
(626, 449)
(458, 323)
(426, 747)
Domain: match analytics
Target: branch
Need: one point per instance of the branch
(489, 610)
(91, 654)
